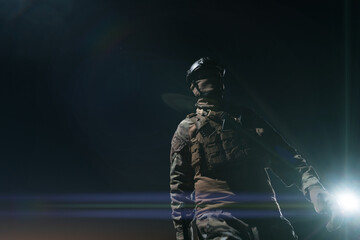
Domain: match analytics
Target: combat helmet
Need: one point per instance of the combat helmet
(210, 69)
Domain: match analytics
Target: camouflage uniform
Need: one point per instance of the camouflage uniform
(218, 157)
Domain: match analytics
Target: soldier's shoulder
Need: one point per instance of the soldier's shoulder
(183, 128)
(181, 135)
(186, 123)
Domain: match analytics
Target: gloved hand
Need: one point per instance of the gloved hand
(325, 203)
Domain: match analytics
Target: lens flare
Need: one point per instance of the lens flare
(348, 202)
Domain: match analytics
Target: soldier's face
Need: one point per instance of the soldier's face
(209, 82)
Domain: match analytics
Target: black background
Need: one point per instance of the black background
(82, 85)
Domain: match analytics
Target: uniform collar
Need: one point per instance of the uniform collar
(208, 104)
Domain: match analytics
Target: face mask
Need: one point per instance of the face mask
(208, 82)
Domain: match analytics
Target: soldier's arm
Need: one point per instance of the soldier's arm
(292, 169)
(290, 166)
(285, 161)
(181, 181)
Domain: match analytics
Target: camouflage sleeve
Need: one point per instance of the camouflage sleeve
(285, 161)
(181, 181)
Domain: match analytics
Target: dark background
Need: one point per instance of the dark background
(82, 85)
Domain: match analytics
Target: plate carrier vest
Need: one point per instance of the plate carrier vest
(218, 141)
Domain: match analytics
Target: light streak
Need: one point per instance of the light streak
(137, 206)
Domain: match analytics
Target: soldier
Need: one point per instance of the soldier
(219, 160)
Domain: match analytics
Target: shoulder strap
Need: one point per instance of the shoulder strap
(198, 121)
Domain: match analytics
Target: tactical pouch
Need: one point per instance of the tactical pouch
(235, 146)
(195, 153)
(214, 152)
